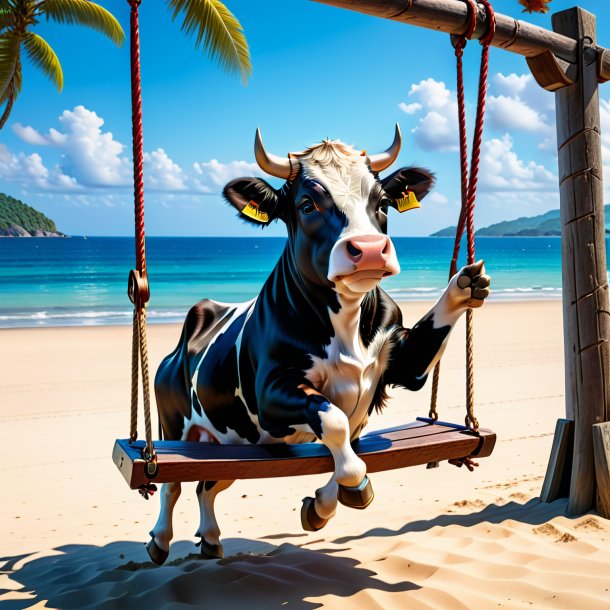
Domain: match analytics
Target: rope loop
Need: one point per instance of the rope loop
(486, 39)
(459, 40)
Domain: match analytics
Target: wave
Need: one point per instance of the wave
(497, 294)
(66, 317)
(82, 318)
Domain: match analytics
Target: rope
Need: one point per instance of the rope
(468, 188)
(138, 281)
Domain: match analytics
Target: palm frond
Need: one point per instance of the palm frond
(44, 58)
(83, 12)
(6, 18)
(9, 59)
(10, 95)
(217, 32)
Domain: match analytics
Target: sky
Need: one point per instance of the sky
(318, 72)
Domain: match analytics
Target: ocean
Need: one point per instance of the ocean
(82, 281)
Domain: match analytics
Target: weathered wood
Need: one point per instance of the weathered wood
(451, 16)
(557, 480)
(603, 66)
(550, 72)
(410, 445)
(601, 446)
(585, 290)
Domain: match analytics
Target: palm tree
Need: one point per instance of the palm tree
(17, 17)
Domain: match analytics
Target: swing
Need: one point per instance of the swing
(424, 441)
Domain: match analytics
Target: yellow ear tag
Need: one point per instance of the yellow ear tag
(408, 201)
(253, 211)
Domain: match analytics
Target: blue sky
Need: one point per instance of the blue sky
(317, 72)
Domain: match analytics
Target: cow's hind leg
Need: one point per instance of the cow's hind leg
(211, 548)
(163, 532)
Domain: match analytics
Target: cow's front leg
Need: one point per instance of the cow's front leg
(349, 483)
(416, 351)
(211, 548)
(288, 405)
(162, 533)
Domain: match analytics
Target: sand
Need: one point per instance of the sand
(72, 533)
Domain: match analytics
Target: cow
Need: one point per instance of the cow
(310, 358)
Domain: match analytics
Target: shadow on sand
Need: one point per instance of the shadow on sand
(532, 512)
(87, 577)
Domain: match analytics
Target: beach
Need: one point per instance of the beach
(72, 532)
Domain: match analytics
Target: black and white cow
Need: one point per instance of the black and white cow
(311, 356)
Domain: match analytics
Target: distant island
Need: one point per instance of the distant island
(17, 219)
(544, 225)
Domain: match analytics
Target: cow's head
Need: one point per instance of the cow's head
(335, 208)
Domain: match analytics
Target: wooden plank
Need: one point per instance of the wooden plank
(585, 294)
(601, 446)
(557, 480)
(178, 461)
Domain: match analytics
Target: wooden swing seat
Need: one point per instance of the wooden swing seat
(420, 442)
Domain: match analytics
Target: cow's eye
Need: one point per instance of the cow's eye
(307, 206)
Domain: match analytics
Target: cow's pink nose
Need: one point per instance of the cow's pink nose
(369, 251)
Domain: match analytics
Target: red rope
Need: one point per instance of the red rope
(138, 138)
(469, 182)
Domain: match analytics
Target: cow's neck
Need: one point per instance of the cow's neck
(346, 324)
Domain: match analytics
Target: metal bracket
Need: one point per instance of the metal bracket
(550, 72)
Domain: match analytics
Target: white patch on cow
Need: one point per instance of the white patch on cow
(349, 468)
(349, 373)
(346, 175)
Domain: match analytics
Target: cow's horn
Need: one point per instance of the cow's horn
(273, 165)
(385, 159)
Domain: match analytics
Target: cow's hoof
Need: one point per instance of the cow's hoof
(357, 497)
(211, 551)
(310, 520)
(156, 553)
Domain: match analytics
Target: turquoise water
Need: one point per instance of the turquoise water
(77, 281)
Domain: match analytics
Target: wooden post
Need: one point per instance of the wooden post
(585, 288)
(601, 445)
(557, 480)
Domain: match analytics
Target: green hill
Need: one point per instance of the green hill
(544, 225)
(17, 219)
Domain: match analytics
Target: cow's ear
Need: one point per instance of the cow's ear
(257, 201)
(407, 187)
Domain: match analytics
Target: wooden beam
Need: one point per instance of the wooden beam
(557, 480)
(451, 16)
(585, 284)
(601, 445)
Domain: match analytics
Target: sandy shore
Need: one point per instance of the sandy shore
(71, 531)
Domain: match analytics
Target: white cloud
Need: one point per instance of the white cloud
(521, 104)
(410, 108)
(29, 170)
(436, 198)
(29, 135)
(221, 173)
(502, 170)
(94, 161)
(92, 156)
(438, 128)
(162, 173)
